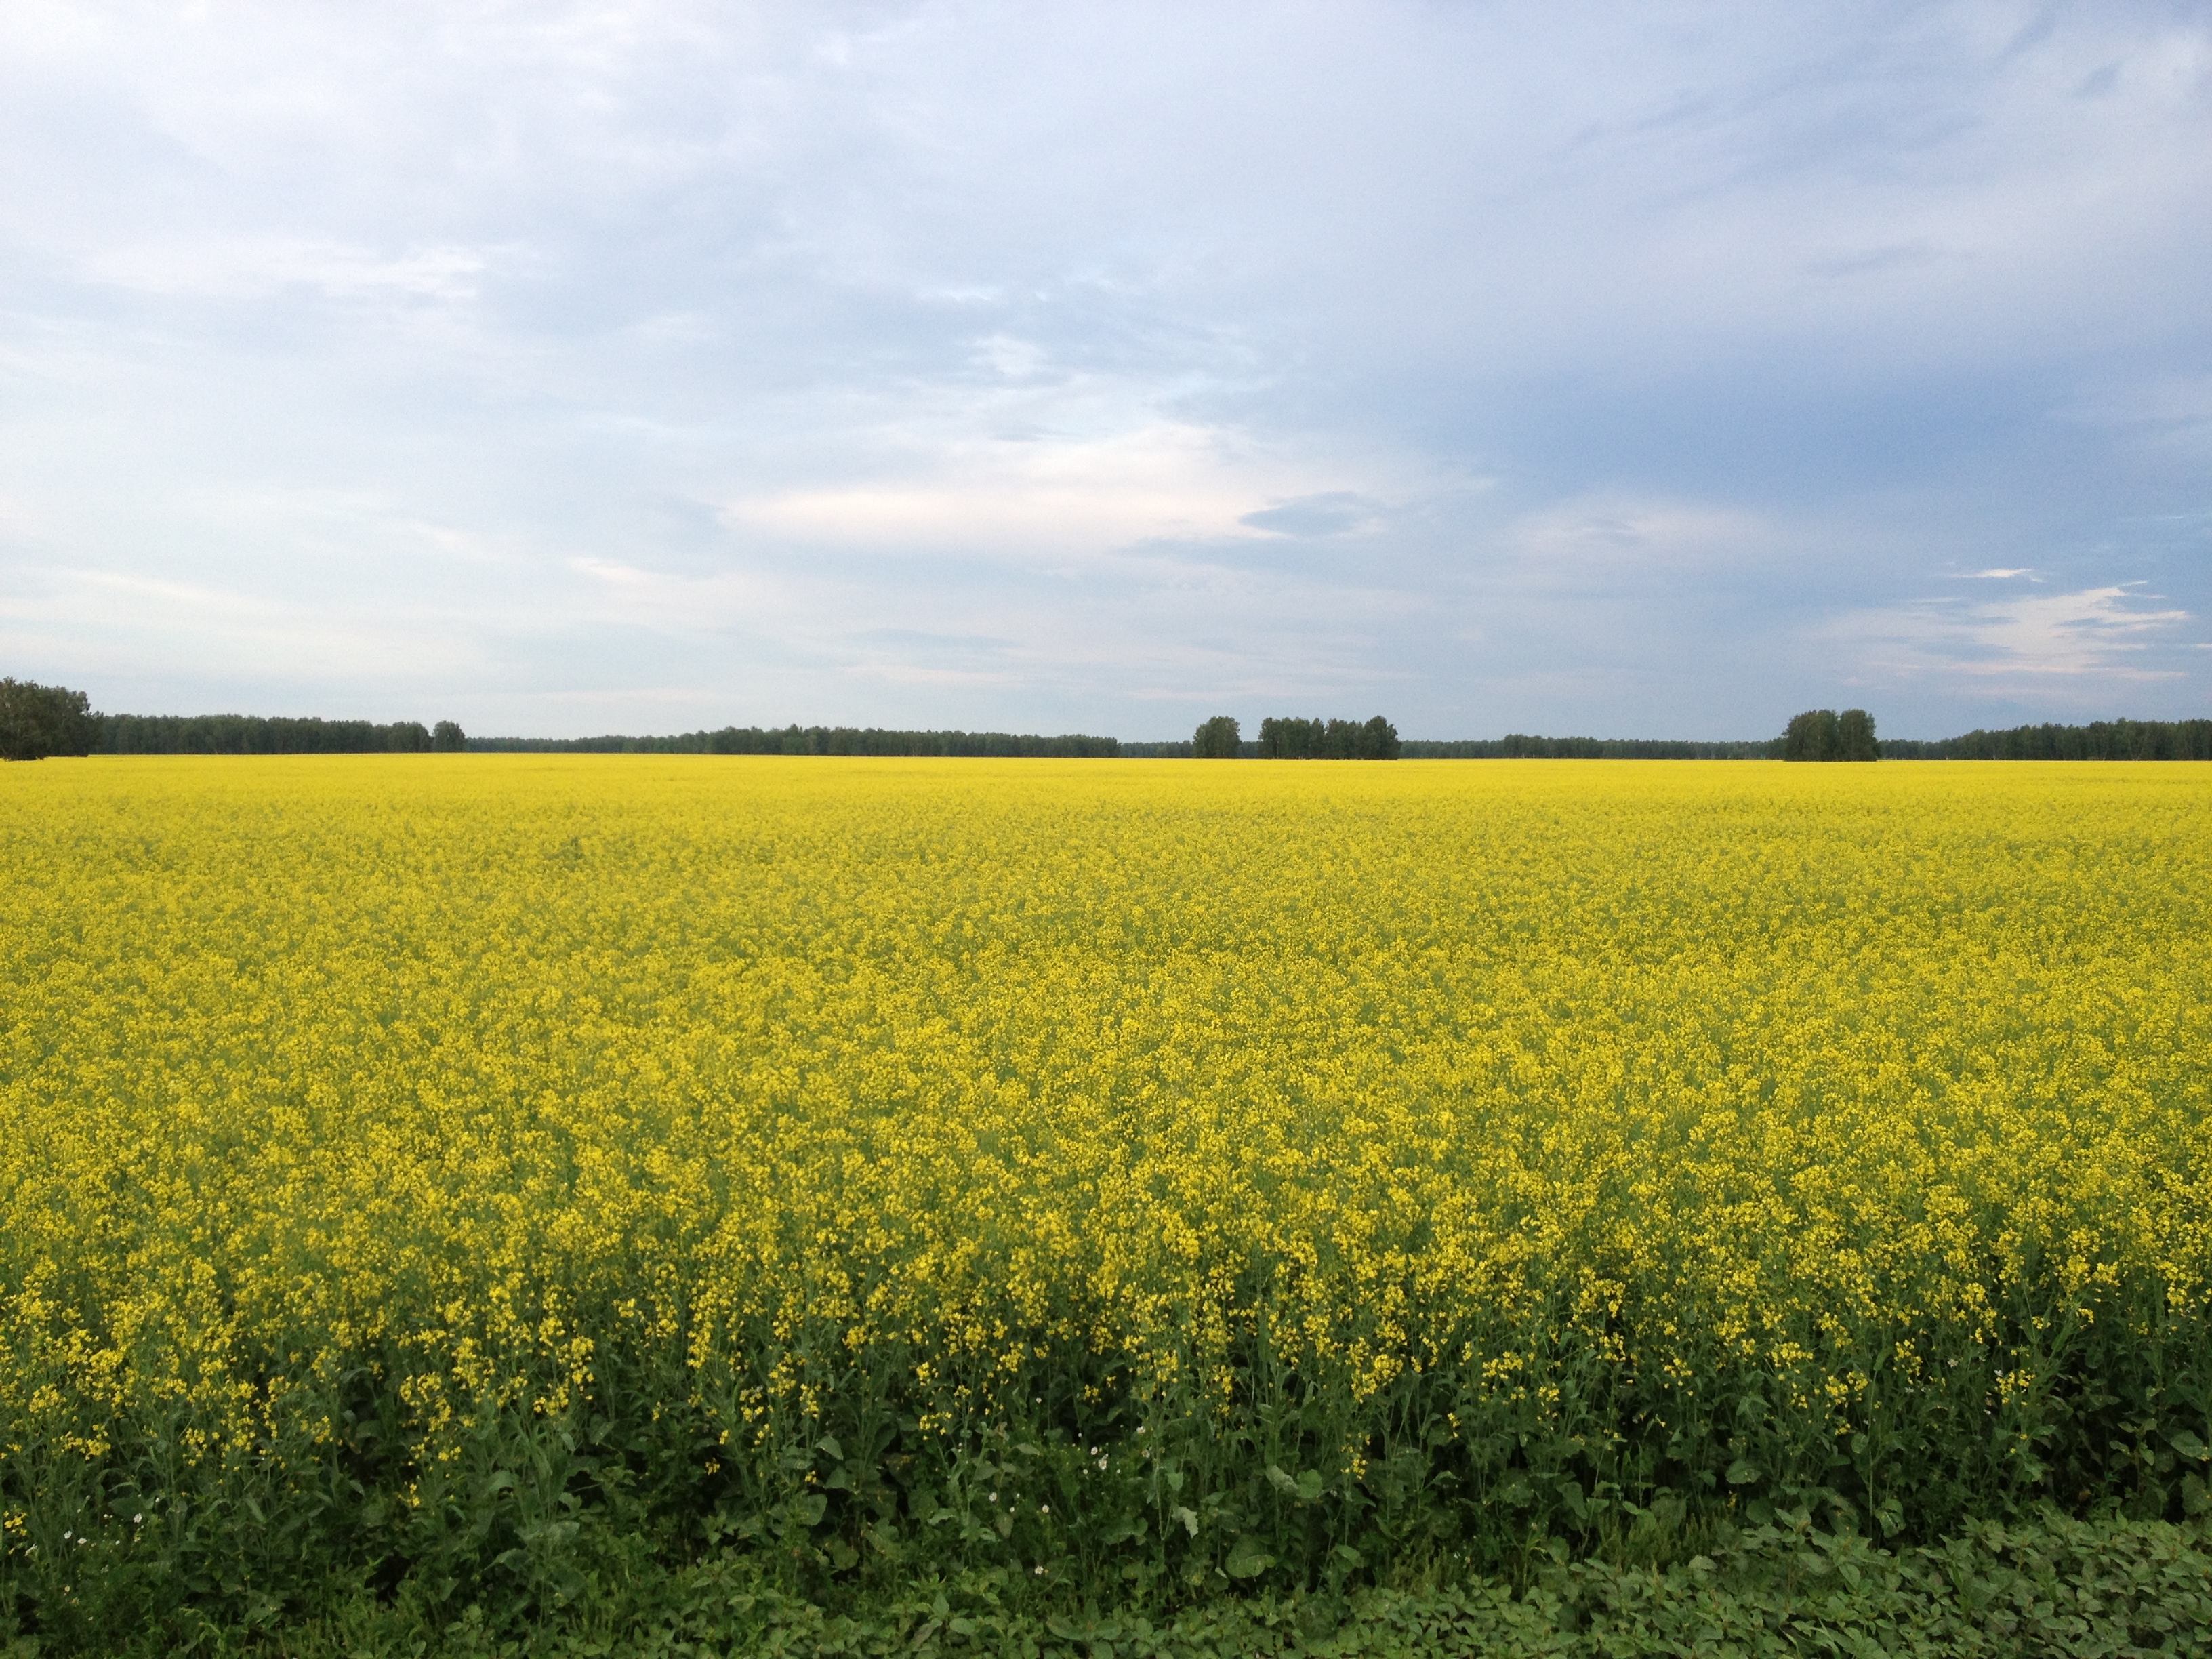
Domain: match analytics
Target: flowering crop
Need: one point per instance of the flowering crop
(1088, 1167)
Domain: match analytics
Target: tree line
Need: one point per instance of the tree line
(1288, 737)
(820, 740)
(2104, 740)
(258, 734)
(1517, 745)
(1822, 734)
(38, 721)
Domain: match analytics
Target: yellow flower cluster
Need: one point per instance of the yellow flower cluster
(490, 1076)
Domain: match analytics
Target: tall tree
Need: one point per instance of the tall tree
(1854, 736)
(1287, 738)
(39, 720)
(1378, 740)
(1216, 739)
(1814, 735)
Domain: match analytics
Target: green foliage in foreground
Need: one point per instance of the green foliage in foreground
(2058, 1587)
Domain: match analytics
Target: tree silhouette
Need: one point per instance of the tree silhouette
(1216, 739)
(1287, 738)
(1378, 740)
(39, 720)
(1821, 734)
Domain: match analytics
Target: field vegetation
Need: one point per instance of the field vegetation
(463, 1189)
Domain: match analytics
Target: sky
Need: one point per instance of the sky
(1623, 369)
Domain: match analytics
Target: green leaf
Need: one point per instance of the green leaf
(2186, 1442)
(1309, 1486)
(1188, 1517)
(1248, 1558)
(1743, 1471)
(1128, 1527)
(1281, 1481)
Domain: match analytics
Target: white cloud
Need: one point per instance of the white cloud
(1159, 345)
(122, 624)
(1064, 467)
(2093, 632)
(675, 603)
(1049, 498)
(253, 266)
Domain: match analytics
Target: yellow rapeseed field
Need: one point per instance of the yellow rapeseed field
(1560, 1099)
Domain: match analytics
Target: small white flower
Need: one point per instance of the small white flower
(994, 1498)
(137, 1518)
(1040, 1569)
(1044, 1508)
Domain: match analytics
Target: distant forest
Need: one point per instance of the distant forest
(254, 734)
(37, 721)
(817, 740)
(1518, 746)
(2150, 740)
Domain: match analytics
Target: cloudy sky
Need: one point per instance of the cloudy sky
(1635, 369)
